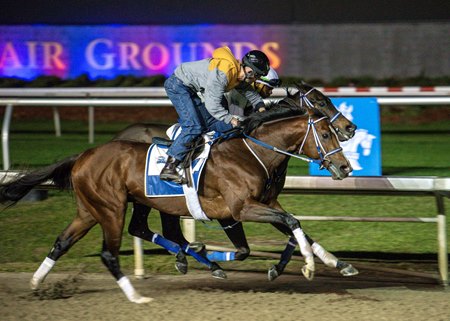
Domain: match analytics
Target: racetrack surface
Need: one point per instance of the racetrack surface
(244, 296)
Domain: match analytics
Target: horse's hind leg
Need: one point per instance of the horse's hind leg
(139, 227)
(173, 239)
(172, 230)
(236, 234)
(112, 237)
(74, 231)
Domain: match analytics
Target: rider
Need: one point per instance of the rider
(212, 77)
(239, 105)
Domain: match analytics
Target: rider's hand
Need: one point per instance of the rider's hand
(235, 122)
(261, 109)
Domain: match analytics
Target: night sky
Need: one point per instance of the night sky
(171, 12)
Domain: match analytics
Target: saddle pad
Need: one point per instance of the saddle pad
(155, 160)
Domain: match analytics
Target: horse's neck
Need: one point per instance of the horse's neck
(285, 134)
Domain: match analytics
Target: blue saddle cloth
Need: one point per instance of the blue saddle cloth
(155, 160)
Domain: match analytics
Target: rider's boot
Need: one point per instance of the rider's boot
(169, 172)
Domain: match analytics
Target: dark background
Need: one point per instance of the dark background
(173, 12)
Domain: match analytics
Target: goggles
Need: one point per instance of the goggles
(252, 73)
(270, 82)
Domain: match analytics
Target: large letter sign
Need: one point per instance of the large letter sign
(364, 149)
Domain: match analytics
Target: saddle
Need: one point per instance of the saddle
(195, 148)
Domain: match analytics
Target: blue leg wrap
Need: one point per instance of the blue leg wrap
(221, 256)
(165, 243)
(288, 251)
(196, 256)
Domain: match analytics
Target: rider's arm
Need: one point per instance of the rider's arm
(214, 90)
(254, 98)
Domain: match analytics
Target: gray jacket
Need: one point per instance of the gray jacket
(212, 80)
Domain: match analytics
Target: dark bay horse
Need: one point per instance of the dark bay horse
(304, 96)
(105, 178)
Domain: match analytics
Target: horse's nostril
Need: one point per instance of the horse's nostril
(351, 128)
(345, 169)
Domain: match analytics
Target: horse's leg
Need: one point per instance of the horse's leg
(236, 234)
(258, 212)
(112, 236)
(172, 230)
(139, 227)
(346, 269)
(73, 232)
(326, 257)
(173, 239)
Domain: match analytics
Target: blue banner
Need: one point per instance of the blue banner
(364, 149)
(109, 51)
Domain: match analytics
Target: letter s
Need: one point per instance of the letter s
(268, 48)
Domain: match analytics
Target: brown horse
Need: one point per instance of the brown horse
(303, 96)
(233, 185)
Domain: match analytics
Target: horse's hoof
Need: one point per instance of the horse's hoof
(219, 274)
(181, 267)
(141, 299)
(272, 274)
(349, 270)
(181, 263)
(308, 273)
(34, 283)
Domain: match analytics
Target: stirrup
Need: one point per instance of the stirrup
(178, 179)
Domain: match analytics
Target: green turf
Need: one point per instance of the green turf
(28, 230)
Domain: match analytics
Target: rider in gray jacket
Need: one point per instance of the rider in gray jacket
(212, 77)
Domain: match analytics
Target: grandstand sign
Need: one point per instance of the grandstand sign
(108, 51)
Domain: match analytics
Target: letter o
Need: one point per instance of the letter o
(147, 58)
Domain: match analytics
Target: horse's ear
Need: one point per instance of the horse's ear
(300, 85)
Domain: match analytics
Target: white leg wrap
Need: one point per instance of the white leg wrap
(41, 272)
(130, 292)
(305, 248)
(325, 256)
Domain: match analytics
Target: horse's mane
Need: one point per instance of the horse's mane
(276, 112)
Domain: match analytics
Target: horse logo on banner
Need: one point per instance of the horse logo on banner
(364, 149)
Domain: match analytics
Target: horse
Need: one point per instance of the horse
(305, 96)
(233, 185)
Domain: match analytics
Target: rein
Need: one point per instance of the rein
(323, 154)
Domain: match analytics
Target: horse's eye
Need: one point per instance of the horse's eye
(325, 136)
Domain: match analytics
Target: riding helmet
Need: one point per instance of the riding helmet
(257, 61)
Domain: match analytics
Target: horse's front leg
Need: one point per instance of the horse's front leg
(346, 269)
(253, 211)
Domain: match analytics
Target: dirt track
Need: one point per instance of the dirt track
(243, 296)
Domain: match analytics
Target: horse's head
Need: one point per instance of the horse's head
(311, 98)
(321, 144)
(292, 131)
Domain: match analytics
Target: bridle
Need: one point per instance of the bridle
(323, 154)
(310, 105)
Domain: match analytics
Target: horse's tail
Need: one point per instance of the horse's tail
(59, 173)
